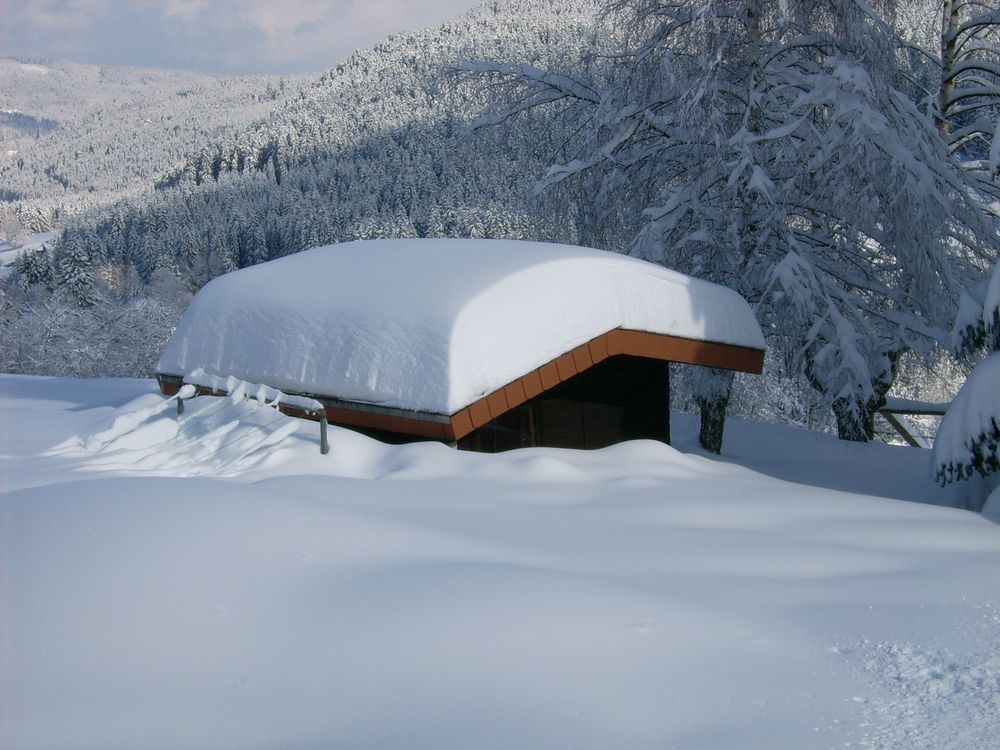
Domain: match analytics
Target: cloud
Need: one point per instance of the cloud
(228, 35)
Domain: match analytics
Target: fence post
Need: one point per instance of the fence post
(324, 446)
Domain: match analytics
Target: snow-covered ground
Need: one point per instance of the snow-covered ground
(212, 581)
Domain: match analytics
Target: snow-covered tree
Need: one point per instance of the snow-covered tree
(953, 48)
(34, 267)
(73, 268)
(47, 332)
(968, 99)
(766, 147)
(254, 248)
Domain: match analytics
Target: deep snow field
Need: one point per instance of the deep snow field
(211, 581)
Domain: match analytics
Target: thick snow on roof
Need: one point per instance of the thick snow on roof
(432, 325)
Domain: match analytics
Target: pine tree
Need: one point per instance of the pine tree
(74, 269)
(34, 268)
(255, 248)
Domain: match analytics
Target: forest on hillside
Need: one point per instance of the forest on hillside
(378, 146)
(77, 137)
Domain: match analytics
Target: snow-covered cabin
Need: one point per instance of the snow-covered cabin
(489, 344)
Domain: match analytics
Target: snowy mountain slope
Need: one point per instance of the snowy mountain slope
(76, 130)
(378, 146)
(76, 135)
(405, 79)
(416, 596)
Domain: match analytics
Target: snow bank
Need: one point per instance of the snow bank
(434, 325)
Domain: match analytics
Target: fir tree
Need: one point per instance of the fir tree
(74, 268)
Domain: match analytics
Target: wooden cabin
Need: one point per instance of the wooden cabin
(485, 344)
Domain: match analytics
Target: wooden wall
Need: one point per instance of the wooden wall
(621, 398)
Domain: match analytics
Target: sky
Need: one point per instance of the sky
(237, 36)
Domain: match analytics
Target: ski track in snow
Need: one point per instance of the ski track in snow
(929, 696)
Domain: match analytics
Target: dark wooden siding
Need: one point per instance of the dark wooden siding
(621, 398)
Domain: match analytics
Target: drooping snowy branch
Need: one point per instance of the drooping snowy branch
(768, 148)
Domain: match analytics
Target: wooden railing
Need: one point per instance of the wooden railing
(896, 410)
(199, 383)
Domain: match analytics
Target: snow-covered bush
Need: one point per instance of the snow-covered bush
(119, 331)
(968, 441)
(969, 437)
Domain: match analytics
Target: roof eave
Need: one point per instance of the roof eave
(490, 406)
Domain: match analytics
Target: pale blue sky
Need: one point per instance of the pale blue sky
(257, 36)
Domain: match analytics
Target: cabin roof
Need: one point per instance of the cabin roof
(436, 326)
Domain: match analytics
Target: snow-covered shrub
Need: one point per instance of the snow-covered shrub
(969, 437)
(968, 440)
(120, 332)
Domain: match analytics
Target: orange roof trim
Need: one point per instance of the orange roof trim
(618, 341)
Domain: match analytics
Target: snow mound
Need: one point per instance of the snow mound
(243, 436)
(213, 437)
(991, 506)
(434, 325)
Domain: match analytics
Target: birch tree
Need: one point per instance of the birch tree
(954, 52)
(968, 97)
